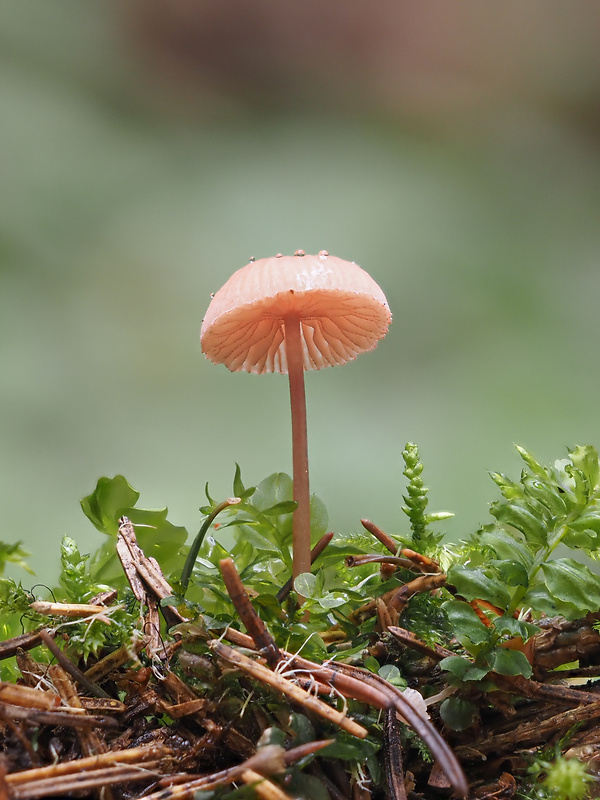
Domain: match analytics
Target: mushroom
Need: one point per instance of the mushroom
(288, 314)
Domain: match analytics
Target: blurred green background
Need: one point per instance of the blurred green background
(149, 148)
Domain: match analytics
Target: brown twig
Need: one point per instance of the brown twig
(70, 667)
(143, 572)
(67, 719)
(26, 641)
(269, 760)
(28, 697)
(385, 540)
(392, 748)
(101, 779)
(252, 622)
(134, 755)
(410, 639)
(295, 693)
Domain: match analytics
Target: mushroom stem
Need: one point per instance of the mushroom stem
(301, 519)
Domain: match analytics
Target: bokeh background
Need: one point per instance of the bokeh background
(149, 148)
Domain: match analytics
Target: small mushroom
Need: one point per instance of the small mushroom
(288, 314)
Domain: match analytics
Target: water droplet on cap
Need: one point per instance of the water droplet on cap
(323, 253)
(299, 253)
(279, 255)
(253, 258)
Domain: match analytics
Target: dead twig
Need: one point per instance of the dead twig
(67, 719)
(385, 540)
(26, 641)
(392, 748)
(269, 760)
(252, 622)
(436, 651)
(71, 668)
(528, 733)
(295, 693)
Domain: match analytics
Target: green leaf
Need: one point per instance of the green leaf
(391, 674)
(588, 521)
(275, 489)
(271, 736)
(513, 573)
(463, 669)
(306, 585)
(284, 507)
(332, 600)
(111, 498)
(533, 465)
(509, 662)
(540, 599)
(522, 519)
(586, 540)
(509, 489)
(571, 582)
(465, 622)
(348, 749)
(239, 490)
(585, 460)
(304, 786)
(548, 493)
(457, 713)
(514, 627)
(13, 554)
(319, 518)
(248, 533)
(474, 584)
(302, 728)
(508, 546)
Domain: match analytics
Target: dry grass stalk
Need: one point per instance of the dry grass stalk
(295, 693)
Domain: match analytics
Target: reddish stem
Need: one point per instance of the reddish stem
(301, 520)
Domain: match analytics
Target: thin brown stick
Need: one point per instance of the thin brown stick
(26, 641)
(114, 660)
(69, 667)
(143, 573)
(133, 755)
(409, 639)
(385, 540)
(392, 749)
(264, 788)
(81, 781)
(28, 697)
(358, 561)
(295, 693)
(68, 719)
(269, 760)
(527, 687)
(252, 622)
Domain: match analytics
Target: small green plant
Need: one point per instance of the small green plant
(423, 538)
(508, 574)
(560, 779)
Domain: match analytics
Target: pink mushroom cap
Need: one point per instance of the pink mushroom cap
(342, 313)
